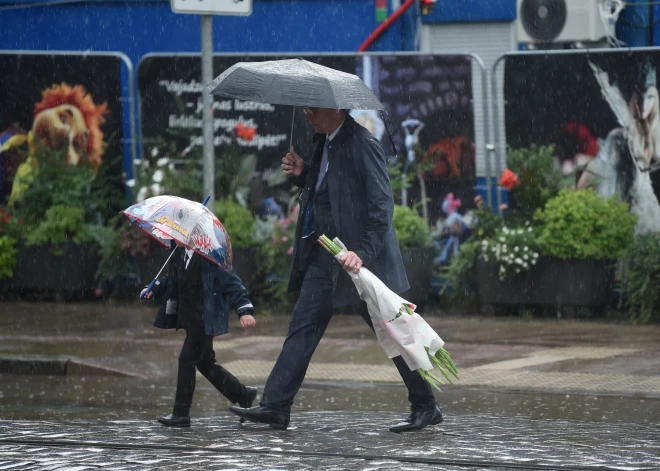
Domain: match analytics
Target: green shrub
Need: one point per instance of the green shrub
(61, 224)
(641, 279)
(579, 224)
(411, 230)
(8, 253)
(239, 222)
(539, 178)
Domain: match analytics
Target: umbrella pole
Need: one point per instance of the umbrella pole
(151, 285)
(293, 117)
(166, 261)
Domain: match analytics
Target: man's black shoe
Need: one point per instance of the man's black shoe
(250, 396)
(175, 421)
(419, 420)
(263, 415)
(413, 416)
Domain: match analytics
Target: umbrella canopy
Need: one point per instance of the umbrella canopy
(168, 218)
(295, 82)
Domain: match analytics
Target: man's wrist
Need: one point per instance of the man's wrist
(362, 255)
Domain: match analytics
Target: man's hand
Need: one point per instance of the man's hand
(351, 262)
(148, 295)
(293, 164)
(248, 321)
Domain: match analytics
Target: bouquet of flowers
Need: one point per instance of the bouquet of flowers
(399, 329)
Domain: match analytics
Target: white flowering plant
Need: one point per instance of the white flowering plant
(514, 250)
(153, 175)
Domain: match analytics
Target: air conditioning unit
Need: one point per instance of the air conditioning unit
(566, 21)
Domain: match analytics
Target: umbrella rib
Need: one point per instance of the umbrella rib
(331, 88)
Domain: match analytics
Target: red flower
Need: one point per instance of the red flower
(509, 180)
(244, 132)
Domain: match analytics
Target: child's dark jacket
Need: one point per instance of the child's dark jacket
(222, 290)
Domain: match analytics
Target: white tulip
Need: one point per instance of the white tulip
(158, 176)
(130, 183)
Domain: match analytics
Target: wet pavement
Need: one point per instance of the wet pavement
(534, 394)
(329, 441)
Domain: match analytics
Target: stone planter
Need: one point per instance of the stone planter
(418, 262)
(551, 282)
(39, 270)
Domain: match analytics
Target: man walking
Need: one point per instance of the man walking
(346, 194)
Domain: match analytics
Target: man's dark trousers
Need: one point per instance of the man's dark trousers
(309, 320)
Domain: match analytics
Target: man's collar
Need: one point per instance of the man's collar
(336, 131)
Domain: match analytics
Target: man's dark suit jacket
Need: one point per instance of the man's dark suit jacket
(362, 207)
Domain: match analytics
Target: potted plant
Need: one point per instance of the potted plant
(413, 236)
(274, 236)
(532, 178)
(578, 237)
(56, 224)
(640, 296)
(240, 224)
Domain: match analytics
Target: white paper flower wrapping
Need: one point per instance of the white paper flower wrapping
(407, 335)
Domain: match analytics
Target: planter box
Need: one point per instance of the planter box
(37, 269)
(552, 282)
(418, 262)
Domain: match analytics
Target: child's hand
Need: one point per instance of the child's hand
(247, 321)
(149, 294)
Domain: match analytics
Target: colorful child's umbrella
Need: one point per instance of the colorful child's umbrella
(170, 218)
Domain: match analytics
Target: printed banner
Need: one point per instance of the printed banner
(67, 102)
(601, 112)
(429, 115)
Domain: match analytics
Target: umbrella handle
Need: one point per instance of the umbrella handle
(149, 288)
(206, 200)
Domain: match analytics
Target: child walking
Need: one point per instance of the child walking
(196, 297)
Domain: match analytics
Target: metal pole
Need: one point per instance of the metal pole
(486, 123)
(496, 128)
(207, 110)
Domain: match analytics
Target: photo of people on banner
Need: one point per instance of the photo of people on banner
(429, 112)
(64, 111)
(601, 113)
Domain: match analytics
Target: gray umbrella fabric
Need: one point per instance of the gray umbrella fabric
(294, 82)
